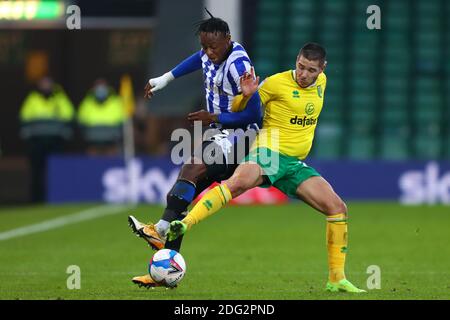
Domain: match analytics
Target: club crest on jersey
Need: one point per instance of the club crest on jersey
(309, 109)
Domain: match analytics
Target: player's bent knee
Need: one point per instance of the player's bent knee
(343, 208)
(337, 207)
(236, 186)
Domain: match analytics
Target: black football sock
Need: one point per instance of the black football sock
(178, 199)
(176, 244)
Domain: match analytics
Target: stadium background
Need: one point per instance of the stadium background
(384, 134)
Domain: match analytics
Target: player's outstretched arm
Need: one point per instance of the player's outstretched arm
(190, 64)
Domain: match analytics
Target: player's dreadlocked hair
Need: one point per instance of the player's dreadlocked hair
(314, 51)
(213, 25)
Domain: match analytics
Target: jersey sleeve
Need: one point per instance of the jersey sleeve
(237, 68)
(266, 90)
(324, 82)
(249, 115)
(188, 65)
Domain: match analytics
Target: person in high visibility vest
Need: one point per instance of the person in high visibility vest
(46, 124)
(101, 116)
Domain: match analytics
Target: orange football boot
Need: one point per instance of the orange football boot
(147, 232)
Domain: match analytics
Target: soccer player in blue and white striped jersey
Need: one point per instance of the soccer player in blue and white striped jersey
(222, 62)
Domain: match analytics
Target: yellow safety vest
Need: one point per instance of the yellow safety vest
(102, 122)
(42, 116)
(109, 113)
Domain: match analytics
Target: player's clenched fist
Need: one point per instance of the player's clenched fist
(156, 84)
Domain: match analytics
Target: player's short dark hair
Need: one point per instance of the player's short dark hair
(213, 25)
(314, 51)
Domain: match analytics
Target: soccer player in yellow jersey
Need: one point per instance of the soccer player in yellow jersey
(293, 101)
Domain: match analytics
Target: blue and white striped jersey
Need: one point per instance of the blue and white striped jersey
(221, 82)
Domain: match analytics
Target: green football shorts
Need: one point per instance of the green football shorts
(284, 172)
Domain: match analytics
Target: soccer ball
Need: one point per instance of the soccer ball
(167, 266)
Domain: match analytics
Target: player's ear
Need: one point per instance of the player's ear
(324, 65)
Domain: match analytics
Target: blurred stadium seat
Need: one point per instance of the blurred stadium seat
(385, 92)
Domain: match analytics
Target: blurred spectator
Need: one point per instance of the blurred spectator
(45, 116)
(101, 117)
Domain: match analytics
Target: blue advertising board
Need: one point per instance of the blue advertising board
(81, 179)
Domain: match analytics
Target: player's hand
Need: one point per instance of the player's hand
(204, 116)
(156, 84)
(249, 83)
(148, 91)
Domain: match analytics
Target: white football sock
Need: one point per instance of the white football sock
(162, 227)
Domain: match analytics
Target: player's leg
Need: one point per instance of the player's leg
(193, 174)
(228, 150)
(319, 194)
(181, 194)
(201, 185)
(246, 176)
(178, 199)
(177, 203)
(207, 163)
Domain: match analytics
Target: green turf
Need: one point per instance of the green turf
(263, 252)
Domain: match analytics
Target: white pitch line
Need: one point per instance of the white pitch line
(88, 214)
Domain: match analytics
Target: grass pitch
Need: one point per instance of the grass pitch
(258, 252)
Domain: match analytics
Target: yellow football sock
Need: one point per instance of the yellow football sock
(209, 204)
(337, 246)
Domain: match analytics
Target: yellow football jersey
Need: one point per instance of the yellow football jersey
(291, 113)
